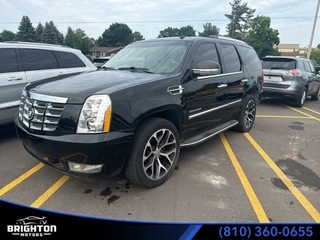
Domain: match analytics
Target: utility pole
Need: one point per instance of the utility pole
(313, 29)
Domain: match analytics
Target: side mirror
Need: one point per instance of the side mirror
(206, 68)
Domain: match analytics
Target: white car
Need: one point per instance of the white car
(23, 62)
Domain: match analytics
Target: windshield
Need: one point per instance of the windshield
(156, 57)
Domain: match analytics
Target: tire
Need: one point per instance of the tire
(154, 154)
(316, 96)
(247, 114)
(299, 102)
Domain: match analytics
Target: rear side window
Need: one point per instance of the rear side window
(306, 66)
(231, 58)
(8, 60)
(36, 59)
(251, 58)
(68, 60)
(278, 63)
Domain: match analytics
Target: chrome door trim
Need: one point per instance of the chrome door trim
(213, 109)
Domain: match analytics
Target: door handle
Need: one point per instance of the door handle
(245, 80)
(223, 85)
(14, 78)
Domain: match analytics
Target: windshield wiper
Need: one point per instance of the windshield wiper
(135, 69)
(108, 68)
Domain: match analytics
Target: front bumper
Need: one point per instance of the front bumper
(110, 149)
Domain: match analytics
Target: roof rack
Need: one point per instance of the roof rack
(37, 43)
(227, 38)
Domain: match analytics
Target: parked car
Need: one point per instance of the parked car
(292, 78)
(149, 100)
(98, 62)
(22, 63)
(32, 220)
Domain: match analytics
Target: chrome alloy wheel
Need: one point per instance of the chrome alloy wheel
(159, 154)
(250, 113)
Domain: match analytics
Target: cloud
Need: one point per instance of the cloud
(292, 18)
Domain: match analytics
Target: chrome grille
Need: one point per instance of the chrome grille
(41, 112)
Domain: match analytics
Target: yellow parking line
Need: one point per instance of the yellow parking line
(311, 110)
(308, 115)
(245, 183)
(18, 180)
(294, 190)
(270, 116)
(44, 197)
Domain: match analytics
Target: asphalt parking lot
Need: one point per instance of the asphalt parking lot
(271, 174)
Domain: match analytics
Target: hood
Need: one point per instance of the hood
(77, 88)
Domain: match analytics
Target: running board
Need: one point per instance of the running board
(208, 134)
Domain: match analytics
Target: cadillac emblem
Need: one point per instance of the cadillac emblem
(30, 113)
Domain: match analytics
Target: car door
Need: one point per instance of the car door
(314, 78)
(71, 62)
(237, 80)
(40, 64)
(12, 81)
(206, 95)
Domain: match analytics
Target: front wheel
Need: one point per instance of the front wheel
(154, 153)
(247, 114)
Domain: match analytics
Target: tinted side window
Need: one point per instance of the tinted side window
(313, 70)
(68, 60)
(8, 60)
(251, 58)
(231, 58)
(35, 59)
(206, 52)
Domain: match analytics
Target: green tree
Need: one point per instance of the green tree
(240, 20)
(169, 32)
(177, 32)
(137, 36)
(78, 39)
(315, 54)
(6, 35)
(39, 31)
(262, 37)
(51, 34)
(187, 31)
(209, 29)
(26, 32)
(117, 35)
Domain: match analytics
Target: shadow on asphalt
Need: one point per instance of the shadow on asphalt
(7, 132)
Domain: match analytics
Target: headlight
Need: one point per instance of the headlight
(95, 116)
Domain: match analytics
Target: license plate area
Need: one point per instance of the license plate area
(272, 79)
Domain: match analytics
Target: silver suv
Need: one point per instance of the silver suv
(22, 63)
(292, 78)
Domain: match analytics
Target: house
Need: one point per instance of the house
(104, 51)
(291, 50)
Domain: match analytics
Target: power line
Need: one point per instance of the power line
(159, 21)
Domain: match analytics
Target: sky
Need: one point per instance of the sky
(294, 19)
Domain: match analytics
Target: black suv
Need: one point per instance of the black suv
(292, 78)
(146, 102)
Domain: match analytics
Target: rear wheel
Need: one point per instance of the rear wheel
(247, 114)
(316, 96)
(299, 102)
(154, 154)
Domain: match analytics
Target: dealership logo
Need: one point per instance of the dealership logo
(32, 226)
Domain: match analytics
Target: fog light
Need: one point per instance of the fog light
(84, 168)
